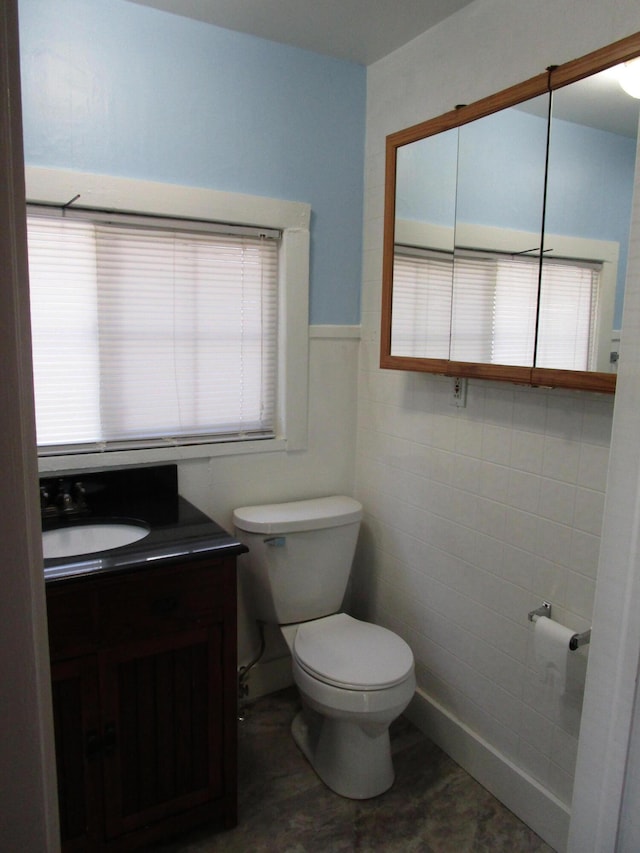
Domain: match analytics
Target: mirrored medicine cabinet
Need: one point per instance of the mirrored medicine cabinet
(506, 230)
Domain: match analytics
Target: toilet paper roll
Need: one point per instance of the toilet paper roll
(551, 647)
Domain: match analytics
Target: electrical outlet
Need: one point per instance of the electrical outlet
(459, 396)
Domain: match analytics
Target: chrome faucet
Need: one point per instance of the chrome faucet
(64, 499)
(69, 500)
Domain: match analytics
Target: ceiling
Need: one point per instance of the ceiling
(361, 31)
(364, 31)
(597, 101)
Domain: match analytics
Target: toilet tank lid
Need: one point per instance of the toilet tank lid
(314, 514)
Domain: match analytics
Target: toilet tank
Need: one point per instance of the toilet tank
(300, 556)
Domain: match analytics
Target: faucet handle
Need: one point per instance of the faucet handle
(79, 492)
(46, 507)
(44, 498)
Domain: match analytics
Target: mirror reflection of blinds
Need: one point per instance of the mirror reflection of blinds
(494, 308)
(150, 336)
(421, 317)
(482, 308)
(569, 304)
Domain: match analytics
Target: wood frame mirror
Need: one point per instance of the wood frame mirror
(545, 87)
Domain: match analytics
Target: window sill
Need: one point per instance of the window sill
(122, 458)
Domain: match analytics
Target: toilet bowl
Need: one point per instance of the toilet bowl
(354, 677)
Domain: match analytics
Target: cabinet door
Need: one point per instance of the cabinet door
(162, 705)
(77, 740)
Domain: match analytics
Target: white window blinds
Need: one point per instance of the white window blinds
(569, 303)
(421, 318)
(483, 307)
(494, 314)
(150, 335)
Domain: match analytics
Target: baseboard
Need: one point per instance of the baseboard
(520, 793)
(268, 677)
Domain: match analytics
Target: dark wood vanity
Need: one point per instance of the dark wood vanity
(143, 677)
(143, 663)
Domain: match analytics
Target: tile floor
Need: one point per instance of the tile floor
(433, 807)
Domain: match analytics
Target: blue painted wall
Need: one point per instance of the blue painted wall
(116, 88)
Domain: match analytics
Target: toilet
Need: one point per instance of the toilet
(354, 678)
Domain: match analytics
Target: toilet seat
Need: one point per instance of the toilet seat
(347, 653)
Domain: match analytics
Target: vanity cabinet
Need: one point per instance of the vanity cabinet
(144, 692)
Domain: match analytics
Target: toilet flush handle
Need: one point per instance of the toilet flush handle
(275, 541)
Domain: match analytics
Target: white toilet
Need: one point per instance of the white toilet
(354, 678)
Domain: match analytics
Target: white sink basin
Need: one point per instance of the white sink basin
(89, 538)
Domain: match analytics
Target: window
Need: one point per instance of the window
(164, 337)
(489, 312)
(150, 334)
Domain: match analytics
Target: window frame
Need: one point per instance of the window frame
(126, 195)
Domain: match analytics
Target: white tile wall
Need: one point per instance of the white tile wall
(475, 515)
(470, 523)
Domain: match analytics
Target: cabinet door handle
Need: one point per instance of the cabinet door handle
(93, 745)
(110, 740)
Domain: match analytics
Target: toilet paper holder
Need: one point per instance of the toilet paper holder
(576, 640)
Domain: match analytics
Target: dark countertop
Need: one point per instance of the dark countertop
(178, 531)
